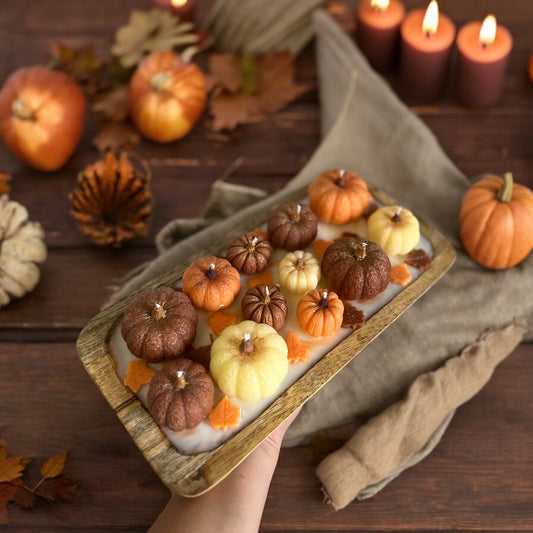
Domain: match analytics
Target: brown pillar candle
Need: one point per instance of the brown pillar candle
(426, 42)
(483, 52)
(377, 31)
(184, 9)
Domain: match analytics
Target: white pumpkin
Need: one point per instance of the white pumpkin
(299, 272)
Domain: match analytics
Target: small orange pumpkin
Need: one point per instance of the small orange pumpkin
(320, 312)
(338, 196)
(496, 221)
(211, 283)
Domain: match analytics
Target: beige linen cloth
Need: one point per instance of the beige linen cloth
(401, 391)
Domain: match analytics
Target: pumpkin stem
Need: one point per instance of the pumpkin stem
(22, 111)
(323, 303)
(251, 245)
(266, 300)
(360, 250)
(340, 181)
(506, 192)
(211, 272)
(299, 261)
(159, 80)
(396, 218)
(180, 380)
(158, 312)
(298, 212)
(247, 346)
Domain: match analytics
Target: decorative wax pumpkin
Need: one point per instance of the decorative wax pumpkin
(356, 269)
(249, 361)
(265, 304)
(338, 196)
(22, 248)
(42, 113)
(167, 96)
(159, 324)
(320, 313)
(249, 253)
(211, 283)
(299, 272)
(496, 222)
(292, 226)
(181, 394)
(394, 228)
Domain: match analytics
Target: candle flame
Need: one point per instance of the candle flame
(487, 33)
(431, 19)
(178, 3)
(380, 5)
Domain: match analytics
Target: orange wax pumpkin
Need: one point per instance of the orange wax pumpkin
(320, 312)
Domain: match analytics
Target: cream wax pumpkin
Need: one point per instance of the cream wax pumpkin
(249, 361)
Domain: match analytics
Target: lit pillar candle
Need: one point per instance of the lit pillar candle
(377, 31)
(426, 42)
(185, 9)
(483, 52)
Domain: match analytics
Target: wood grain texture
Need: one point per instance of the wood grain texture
(480, 476)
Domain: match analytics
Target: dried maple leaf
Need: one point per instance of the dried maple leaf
(54, 466)
(81, 63)
(225, 415)
(114, 105)
(138, 374)
(150, 31)
(11, 468)
(116, 136)
(24, 497)
(352, 317)
(248, 90)
(60, 488)
(4, 185)
(7, 493)
(418, 258)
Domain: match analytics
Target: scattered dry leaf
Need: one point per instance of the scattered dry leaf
(264, 278)
(352, 317)
(114, 105)
(11, 467)
(419, 259)
(116, 136)
(400, 275)
(225, 415)
(220, 320)
(298, 353)
(5, 188)
(54, 466)
(81, 63)
(319, 247)
(8, 492)
(138, 374)
(60, 488)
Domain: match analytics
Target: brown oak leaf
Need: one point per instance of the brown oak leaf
(116, 136)
(24, 497)
(60, 488)
(352, 318)
(247, 90)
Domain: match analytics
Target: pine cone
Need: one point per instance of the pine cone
(112, 203)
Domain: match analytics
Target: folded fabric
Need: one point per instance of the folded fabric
(369, 131)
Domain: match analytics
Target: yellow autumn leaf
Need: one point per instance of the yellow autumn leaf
(54, 466)
(11, 468)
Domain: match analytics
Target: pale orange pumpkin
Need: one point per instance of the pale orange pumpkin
(211, 283)
(496, 222)
(167, 96)
(338, 196)
(42, 112)
(320, 312)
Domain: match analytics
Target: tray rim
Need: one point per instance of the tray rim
(192, 475)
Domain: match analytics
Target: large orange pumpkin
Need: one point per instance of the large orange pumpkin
(338, 196)
(496, 222)
(42, 112)
(167, 96)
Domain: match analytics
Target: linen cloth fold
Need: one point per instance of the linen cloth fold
(369, 131)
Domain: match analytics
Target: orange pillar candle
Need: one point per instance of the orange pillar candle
(426, 42)
(377, 31)
(483, 53)
(184, 9)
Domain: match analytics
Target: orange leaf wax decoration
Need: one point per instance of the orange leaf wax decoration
(138, 374)
(220, 320)
(319, 247)
(265, 278)
(225, 415)
(262, 233)
(298, 353)
(400, 275)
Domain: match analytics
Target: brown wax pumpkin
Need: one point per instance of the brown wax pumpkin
(159, 324)
(181, 394)
(496, 222)
(338, 196)
(211, 283)
(292, 226)
(355, 268)
(320, 313)
(249, 253)
(265, 304)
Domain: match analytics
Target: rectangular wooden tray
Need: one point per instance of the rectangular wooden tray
(191, 475)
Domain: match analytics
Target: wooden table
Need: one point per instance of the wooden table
(480, 477)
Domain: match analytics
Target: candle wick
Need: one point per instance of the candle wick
(484, 45)
(428, 34)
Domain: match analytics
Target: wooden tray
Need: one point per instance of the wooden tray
(191, 475)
